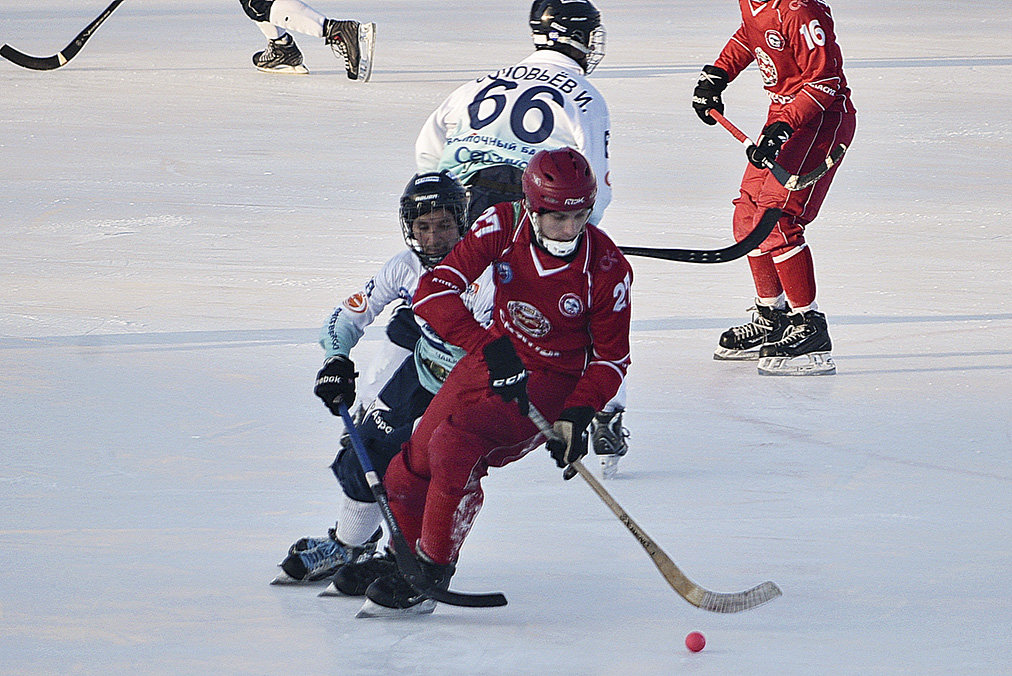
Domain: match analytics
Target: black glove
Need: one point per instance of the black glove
(507, 376)
(570, 442)
(712, 81)
(335, 383)
(402, 329)
(773, 138)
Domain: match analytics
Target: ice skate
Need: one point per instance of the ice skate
(608, 437)
(315, 559)
(742, 343)
(393, 596)
(802, 351)
(352, 579)
(281, 56)
(354, 43)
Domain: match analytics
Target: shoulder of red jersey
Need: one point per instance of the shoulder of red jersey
(605, 254)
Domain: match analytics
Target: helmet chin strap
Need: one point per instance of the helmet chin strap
(556, 247)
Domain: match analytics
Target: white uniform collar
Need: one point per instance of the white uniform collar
(554, 58)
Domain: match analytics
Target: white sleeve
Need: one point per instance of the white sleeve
(432, 138)
(596, 130)
(398, 278)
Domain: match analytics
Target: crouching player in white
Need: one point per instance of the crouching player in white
(432, 213)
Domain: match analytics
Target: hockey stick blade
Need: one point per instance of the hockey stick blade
(716, 602)
(792, 182)
(68, 52)
(759, 233)
(406, 561)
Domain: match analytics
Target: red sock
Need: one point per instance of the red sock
(797, 275)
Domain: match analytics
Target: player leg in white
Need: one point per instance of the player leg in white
(352, 41)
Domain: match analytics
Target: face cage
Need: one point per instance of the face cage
(430, 261)
(593, 52)
(558, 248)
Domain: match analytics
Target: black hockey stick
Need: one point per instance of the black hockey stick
(68, 53)
(717, 602)
(760, 232)
(785, 178)
(406, 561)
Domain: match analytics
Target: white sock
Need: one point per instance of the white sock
(297, 16)
(357, 521)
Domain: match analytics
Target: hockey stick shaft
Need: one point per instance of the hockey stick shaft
(68, 52)
(406, 561)
(717, 602)
(759, 233)
(792, 182)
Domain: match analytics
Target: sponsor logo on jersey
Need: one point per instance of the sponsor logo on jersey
(570, 305)
(358, 303)
(608, 261)
(767, 68)
(528, 319)
(775, 40)
(504, 272)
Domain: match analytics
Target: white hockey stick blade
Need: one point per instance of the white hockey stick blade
(373, 609)
(814, 364)
(734, 602)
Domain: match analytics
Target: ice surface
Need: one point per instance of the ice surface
(177, 225)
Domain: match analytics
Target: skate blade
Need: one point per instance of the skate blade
(331, 590)
(372, 609)
(284, 578)
(812, 364)
(609, 466)
(286, 70)
(366, 48)
(727, 354)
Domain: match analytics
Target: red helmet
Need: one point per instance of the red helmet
(559, 180)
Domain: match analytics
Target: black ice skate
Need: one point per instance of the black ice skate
(393, 596)
(608, 437)
(802, 351)
(352, 579)
(315, 559)
(742, 343)
(353, 42)
(281, 56)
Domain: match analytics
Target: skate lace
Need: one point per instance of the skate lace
(757, 327)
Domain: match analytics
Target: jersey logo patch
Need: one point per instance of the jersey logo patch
(570, 305)
(504, 272)
(528, 319)
(775, 40)
(357, 303)
(767, 68)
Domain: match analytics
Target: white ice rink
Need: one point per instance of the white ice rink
(176, 226)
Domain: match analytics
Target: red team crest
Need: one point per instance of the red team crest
(570, 305)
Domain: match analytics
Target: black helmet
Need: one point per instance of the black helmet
(428, 192)
(572, 27)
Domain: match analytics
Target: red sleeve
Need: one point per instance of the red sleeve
(611, 315)
(437, 299)
(736, 55)
(812, 40)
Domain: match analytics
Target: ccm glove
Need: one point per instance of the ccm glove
(335, 383)
(570, 441)
(507, 376)
(773, 138)
(712, 81)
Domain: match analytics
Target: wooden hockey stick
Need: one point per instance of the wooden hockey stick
(785, 178)
(717, 602)
(406, 561)
(760, 232)
(68, 52)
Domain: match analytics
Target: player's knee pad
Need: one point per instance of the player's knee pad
(349, 474)
(258, 10)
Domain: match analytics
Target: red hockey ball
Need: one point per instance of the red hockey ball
(695, 641)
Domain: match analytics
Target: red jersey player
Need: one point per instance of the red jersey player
(794, 44)
(559, 341)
